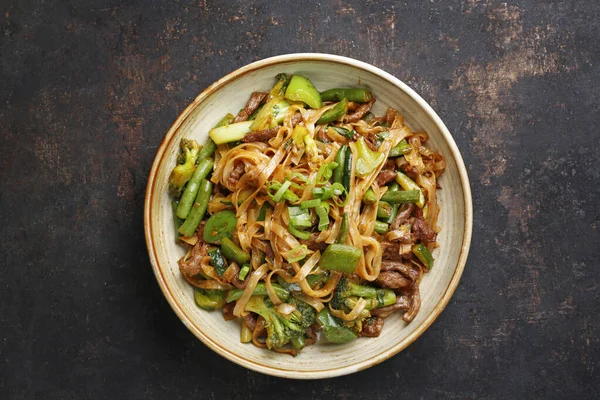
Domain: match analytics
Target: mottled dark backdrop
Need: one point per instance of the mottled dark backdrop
(89, 88)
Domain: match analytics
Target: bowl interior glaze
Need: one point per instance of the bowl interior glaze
(319, 361)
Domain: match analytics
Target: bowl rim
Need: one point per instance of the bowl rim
(326, 373)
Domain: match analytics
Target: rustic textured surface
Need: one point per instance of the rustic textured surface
(88, 89)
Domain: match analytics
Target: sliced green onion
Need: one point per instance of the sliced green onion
(297, 253)
(338, 191)
(281, 191)
(279, 194)
(299, 233)
(243, 272)
(310, 203)
(323, 215)
(299, 218)
(325, 172)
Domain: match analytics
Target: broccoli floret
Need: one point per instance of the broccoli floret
(186, 166)
(283, 329)
(347, 294)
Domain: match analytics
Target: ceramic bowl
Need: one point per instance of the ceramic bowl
(229, 94)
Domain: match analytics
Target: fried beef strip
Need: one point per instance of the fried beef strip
(385, 177)
(236, 174)
(252, 105)
(261, 136)
(403, 216)
(393, 280)
(360, 111)
(422, 231)
(372, 327)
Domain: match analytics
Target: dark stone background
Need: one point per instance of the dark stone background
(89, 88)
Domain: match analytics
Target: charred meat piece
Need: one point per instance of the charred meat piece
(261, 136)
(252, 105)
(372, 327)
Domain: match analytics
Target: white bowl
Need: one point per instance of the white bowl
(229, 94)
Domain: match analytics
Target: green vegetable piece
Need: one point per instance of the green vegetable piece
(423, 255)
(368, 159)
(282, 329)
(300, 234)
(325, 172)
(340, 257)
(400, 149)
(335, 113)
(209, 299)
(408, 184)
(343, 229)
(262, 214)
(233, 252)
(176, 220)
(230, 133)
(260, 290)
(347, 178)
(340, 159)
(216, 260)
(182, 173)
(381, 227)
(191, 190)
(334, 330)
(219, 225)
(266, 117)
(299, 217)
(323, 215)
(401, 197)
(368, 117)
(198, 210)
(357, 95)
(369, 197)
(244, 272)
(347, 294)
(279, 110)
(210, 147)
(298, 342)
(301, 89)
(393, 187)
(384, 210)
(208, 150)
(297, 253)
(310, 204)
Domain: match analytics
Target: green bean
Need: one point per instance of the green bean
(341, 238)
(401, 197)
(347, 179)
(191, 189)
(334, 113)
(401, 148)
(381, 227)
(198, 210)
(369, 197)
(233, 252)
(393, 187)
(384, 210)
(340, 157)
(358, 95)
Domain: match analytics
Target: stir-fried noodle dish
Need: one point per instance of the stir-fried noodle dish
(306, 216)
